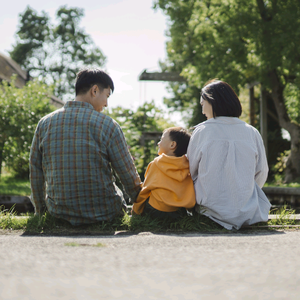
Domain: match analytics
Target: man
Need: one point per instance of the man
(72, 155)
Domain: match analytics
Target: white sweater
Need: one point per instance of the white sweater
(228, 166)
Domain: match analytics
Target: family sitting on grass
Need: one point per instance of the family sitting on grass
(218, 171)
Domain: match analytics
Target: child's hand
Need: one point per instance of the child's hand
(133, 212)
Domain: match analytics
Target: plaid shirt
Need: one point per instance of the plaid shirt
(71, 156)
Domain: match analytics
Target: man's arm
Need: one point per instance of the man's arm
(122, 162)
(37, 181)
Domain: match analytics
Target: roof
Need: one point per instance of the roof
(9, 67)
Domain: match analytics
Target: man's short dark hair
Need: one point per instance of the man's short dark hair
(181, 137)
(222, 98)
(86, 78)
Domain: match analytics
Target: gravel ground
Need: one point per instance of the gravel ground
(260, 265)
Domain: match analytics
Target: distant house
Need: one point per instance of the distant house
(9, 67)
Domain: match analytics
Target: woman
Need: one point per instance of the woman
(227, 161)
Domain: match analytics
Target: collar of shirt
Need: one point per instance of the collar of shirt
(70, 104)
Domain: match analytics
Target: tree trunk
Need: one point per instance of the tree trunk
(1, 157)
(293, 163)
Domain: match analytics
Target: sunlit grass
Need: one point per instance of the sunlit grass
(47, 224)
(8, 220)
(284, 216)
(9, 185)
(282, 185)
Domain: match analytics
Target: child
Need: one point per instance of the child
(168, 186)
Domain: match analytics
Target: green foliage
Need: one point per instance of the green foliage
(20, 111)
(228, 40)
(292, 96)
(55, 52)
(240, 42)
(147, 118)
(10, 185)
(8, 220)
(37, 223)
(46, 224)
(194, 222)
(280, 166)
(284, 216)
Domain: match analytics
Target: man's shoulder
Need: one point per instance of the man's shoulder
(50, 115)
(105, 120)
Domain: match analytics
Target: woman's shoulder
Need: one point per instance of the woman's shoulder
(206, 125)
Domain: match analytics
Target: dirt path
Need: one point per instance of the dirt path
(261, 265)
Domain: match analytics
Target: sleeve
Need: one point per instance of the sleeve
(194, 154)
(262, 169)
(37, 181)
(122, 162)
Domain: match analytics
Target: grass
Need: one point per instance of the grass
(283, 185)
(9, 185)
(283, 216)
(46, 224)
(8, 220)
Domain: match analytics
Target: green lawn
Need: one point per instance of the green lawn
(285, 185)
(46, 224)
(12, 186)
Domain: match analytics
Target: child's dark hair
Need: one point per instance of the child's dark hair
(182, 139)
(86, 78)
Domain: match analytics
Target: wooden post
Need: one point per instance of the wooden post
(263, 119)
(251, 106)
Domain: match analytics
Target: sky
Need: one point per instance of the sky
(130, 34)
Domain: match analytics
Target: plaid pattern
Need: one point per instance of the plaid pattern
(71, 156)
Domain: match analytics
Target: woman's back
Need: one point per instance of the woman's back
(229, 167)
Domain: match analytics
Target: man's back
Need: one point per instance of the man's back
(75, 147)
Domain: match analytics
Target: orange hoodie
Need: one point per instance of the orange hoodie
(168, 183)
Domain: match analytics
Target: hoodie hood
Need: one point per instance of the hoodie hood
(172, 166)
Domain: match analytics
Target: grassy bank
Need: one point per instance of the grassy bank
(9, 185)
(46, 224)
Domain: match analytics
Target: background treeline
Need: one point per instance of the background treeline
(242, 42)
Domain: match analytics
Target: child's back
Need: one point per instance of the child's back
(168, 185)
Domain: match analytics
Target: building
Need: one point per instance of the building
(9, 67)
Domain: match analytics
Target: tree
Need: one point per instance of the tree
(55, 53)
(241, 41)
(20, 111)
(147, 118)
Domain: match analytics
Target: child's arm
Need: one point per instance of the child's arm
(138, 205)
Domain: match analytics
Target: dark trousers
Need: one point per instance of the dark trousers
(162, 215)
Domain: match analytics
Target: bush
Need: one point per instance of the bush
(20, 111)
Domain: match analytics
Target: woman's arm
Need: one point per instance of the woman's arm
(262, 169)
(194, 153)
